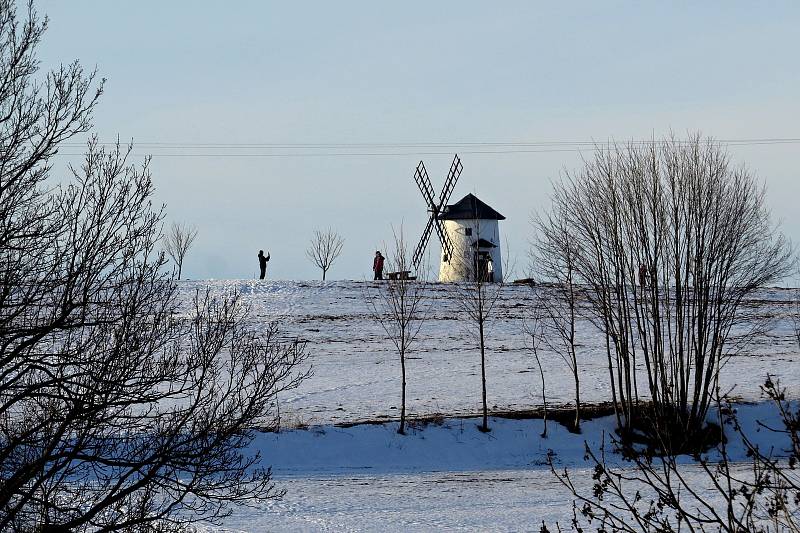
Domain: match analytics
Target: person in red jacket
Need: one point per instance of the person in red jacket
(377, 265)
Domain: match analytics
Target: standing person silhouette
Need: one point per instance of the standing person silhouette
(377, 265)
(262, 263)
(643, 273)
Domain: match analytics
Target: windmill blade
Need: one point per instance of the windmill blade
(419, 251)
(447, 244)
(424, 184)
(450, 182)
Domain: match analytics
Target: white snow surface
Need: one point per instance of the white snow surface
(357, 371)
(447, 475)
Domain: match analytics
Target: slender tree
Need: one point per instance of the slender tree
(553, 257)
(476, 298)
(537, 332)
(178, 241)
(401, 307)
(324, 249)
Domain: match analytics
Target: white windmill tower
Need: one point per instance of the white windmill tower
(472, 228)
(468, 231)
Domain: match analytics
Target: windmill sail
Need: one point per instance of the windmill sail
(424, 184)
(450, 181)
(434, 208)
(419, 251)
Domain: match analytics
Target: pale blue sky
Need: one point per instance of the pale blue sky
(415, 72)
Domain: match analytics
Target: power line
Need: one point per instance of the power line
(346, 154)
(223, 150)
(767, 140)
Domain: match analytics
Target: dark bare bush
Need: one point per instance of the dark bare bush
(659, 493)
(669, 238)
(116, 411)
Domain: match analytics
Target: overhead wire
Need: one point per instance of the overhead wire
(388, 149)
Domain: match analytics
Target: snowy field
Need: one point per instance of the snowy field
(357, 372)
(446, 476)
(497, 500)
(443, 476)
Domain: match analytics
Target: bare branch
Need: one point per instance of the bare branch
(476, 298)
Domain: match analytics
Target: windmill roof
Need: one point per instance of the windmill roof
(469, 207)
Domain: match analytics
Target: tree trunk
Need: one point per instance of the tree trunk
(544, 394)
(577, 401)
(402, 429)
(323, 274)
(180, 267)
(485, 426)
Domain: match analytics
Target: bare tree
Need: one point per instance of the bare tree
(178, 241)
(553, 257)
(476, 298)
(116, 412)
(400, 307)
(324, 249)
(669, 238)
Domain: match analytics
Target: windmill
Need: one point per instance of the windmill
(435, 208)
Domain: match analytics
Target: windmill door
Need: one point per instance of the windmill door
(482, 266)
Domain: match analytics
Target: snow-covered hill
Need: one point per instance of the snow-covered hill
(357, 373)
(447, 475)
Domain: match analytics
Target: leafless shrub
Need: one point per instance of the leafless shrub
(178, 241)
(325, 249)
(669, 239)
(659, 494)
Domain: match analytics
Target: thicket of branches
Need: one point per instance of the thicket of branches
(658, 492)
(115, 411)
(668, 239)
(661, 494)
